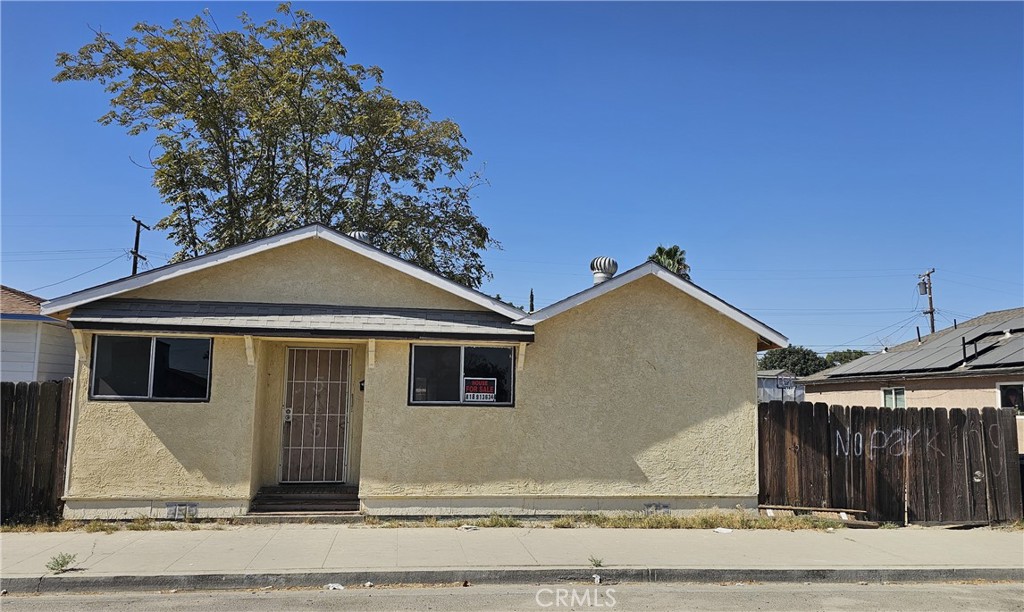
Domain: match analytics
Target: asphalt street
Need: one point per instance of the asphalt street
(736, 596)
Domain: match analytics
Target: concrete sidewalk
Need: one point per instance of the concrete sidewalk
(312, 555)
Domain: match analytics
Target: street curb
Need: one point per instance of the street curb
(72, 583)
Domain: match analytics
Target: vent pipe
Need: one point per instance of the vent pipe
(361, 236)
(603, 268)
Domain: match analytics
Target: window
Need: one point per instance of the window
(472, 375)
(143, 367)
(894, 397)
(1011, 395)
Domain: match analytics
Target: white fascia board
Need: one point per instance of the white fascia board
(654, 269)
(203, 262)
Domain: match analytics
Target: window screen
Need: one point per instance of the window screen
(122, 366)
(436, 374)
(181, 368)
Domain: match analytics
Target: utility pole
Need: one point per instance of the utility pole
(136, 255)
(924, 287)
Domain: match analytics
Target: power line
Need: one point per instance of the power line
(77, 275)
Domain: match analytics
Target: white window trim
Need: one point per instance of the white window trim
(999, 391)
(462, 377)
(152, 361)
(893, 389)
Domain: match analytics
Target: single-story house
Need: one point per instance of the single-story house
(778, 385)
(33, 347)
(311, 360)
(973, 364)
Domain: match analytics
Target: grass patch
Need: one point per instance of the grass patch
(43, 527)
(890, 526)
(706, 519)
(496, 520)
(104, 526)
(1017, 525)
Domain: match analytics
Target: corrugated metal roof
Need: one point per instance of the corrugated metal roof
(280, 318)
(988, 346)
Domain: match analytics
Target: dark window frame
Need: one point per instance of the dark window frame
(462, 376)
(999, 395)
(152, 359)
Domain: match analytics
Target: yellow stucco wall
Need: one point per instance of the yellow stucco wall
(312, 271)
(129, 450)
(640, 392)
(958, 392)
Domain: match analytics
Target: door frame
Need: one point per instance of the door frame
(346, 411)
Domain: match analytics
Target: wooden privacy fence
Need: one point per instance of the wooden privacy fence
(34, 419)
(922, 465)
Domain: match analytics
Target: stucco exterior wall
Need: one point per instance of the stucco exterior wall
(312, 271)
(641, 394)
(958, 392)
(130, 457)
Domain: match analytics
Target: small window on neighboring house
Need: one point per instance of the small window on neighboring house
(894, 397)
(144, 367)
(471, 375)
(1011, 395)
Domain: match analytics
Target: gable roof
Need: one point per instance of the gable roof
(13, 301)
(768, 338)
(992, 342)
(315, 231)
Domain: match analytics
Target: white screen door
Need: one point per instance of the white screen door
(315, 415)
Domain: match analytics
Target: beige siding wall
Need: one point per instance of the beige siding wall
(311, 271)
(18, 350)
(56, 353)
(153, 452)
(642, 392)
(961, 392)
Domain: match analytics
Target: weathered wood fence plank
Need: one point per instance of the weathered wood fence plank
(34, 448)
(919, 465)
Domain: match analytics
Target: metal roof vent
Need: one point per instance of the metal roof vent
(603, 268)
(361, 236)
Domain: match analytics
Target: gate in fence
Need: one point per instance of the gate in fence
(919, 465)
(34, 418)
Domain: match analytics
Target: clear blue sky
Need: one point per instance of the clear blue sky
(812, 158)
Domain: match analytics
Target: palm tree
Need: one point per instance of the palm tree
(673, 259)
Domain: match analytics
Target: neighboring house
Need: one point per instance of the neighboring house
(779, 385)
(977, 363)
(32, 346)
(314, 359)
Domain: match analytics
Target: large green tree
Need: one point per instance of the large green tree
(846, 356)
(673, 258)
(799, 360)
(267, 128)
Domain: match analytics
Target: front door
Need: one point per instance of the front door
(315, 415)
